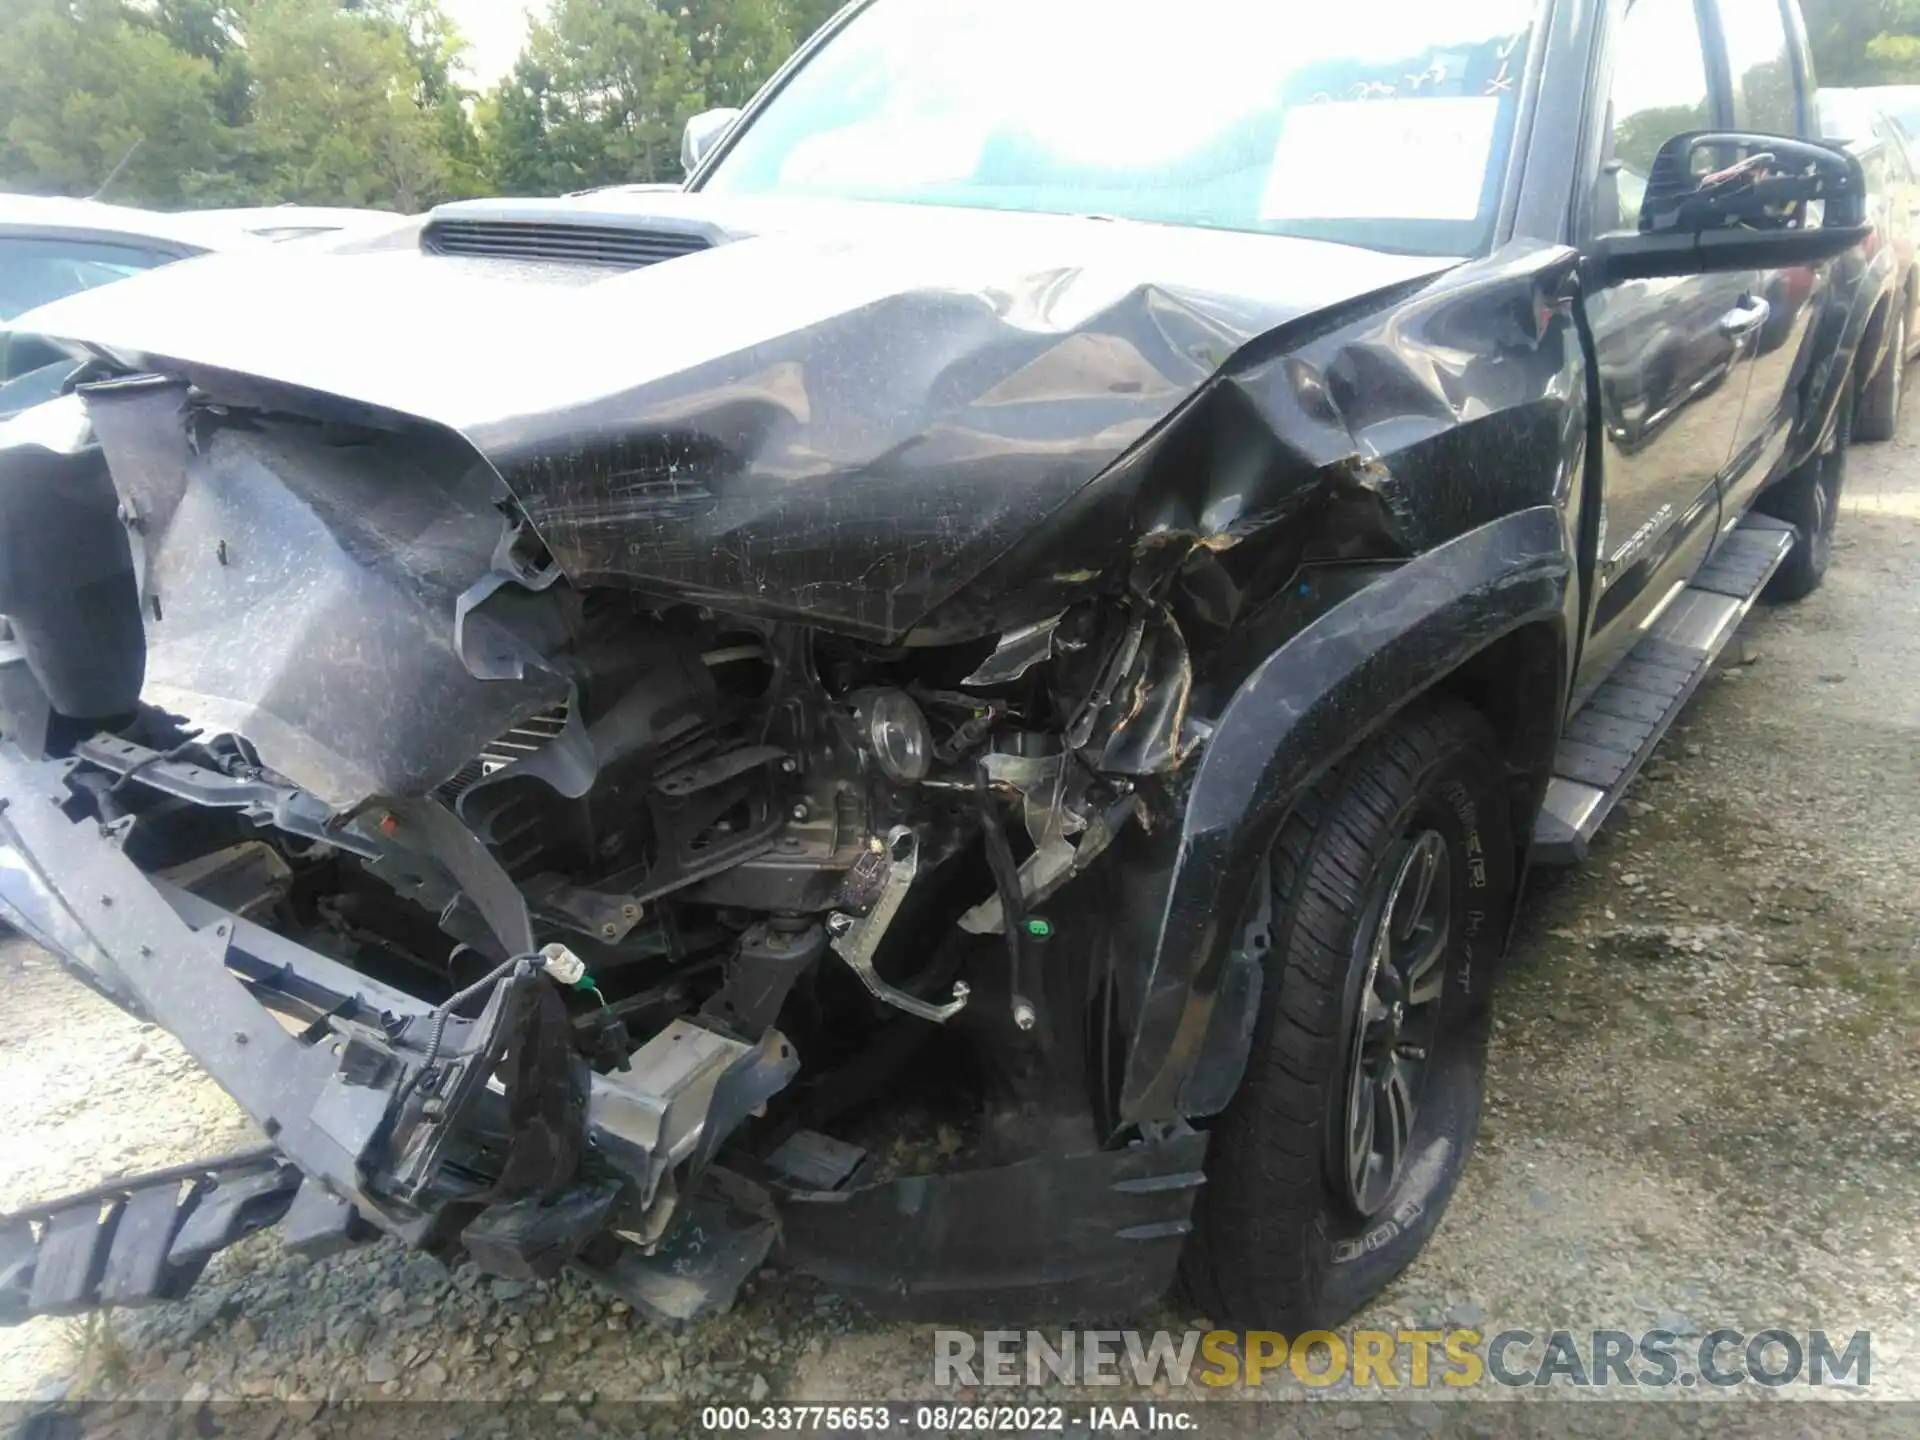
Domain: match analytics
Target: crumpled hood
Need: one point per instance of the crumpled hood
(845, 411)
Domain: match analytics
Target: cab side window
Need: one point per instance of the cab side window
(1659, 91)
(1764, 95)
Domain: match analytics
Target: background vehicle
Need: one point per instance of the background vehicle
(1004, 654)
(1885, 150)
(1901, 102)
(292, 222)
(52, 247)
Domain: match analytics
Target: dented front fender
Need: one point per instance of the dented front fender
(1313, 700)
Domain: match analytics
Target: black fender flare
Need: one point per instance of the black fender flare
(1843, 332)
(1304, 707)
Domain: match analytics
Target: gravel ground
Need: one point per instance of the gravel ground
(1702, 1106)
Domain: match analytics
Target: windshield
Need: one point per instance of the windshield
(1383, 123)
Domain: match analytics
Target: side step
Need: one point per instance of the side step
(1606, 743)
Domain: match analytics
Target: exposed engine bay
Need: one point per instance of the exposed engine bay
(586, 831)
(662, 787)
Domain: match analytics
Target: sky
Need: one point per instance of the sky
(494, 31)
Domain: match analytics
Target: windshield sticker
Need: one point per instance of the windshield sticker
(1385, 159)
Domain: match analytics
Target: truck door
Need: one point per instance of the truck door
(1668, 353)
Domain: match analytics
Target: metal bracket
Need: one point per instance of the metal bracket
(283, 806)
(856, 938)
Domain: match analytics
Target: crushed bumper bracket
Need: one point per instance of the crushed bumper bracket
(242, 998)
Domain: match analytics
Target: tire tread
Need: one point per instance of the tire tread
(1247, 1257)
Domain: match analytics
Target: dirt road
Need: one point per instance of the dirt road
(1704, 1106)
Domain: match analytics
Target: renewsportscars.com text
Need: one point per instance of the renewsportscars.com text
(1404, 1359)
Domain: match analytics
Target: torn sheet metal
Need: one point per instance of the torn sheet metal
(1019, 650)
(302, 593)
(1134, 720)
(847, 413)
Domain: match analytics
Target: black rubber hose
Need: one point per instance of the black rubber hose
(1006, 880)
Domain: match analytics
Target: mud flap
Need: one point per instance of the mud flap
(1076, 1235)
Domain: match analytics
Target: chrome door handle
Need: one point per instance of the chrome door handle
(1746, 317)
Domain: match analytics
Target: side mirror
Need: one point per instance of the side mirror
(1720, 201)
(703, 132)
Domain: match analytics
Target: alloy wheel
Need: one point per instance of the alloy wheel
(1397, 1017)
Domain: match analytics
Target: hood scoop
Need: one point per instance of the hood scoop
(616, 247)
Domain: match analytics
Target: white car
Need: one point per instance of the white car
(51, 247)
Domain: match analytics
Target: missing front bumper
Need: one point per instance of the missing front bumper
(314, 1052)
(323, 1058)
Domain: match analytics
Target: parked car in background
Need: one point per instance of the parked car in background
(289, 222)
(1884, 144)
(52, 247)
(1902, 102)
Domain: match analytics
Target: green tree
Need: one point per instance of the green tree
(339, 113)
(88, 83)
(236, 101)
(1895, 51)
(435, 46)
(213, 31)
(604, 87)
(208, 29)
(1864, 42)
(597, 98)
(735, 45)
(807, 16)
(514, 121)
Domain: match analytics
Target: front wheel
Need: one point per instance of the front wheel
(1391, 884)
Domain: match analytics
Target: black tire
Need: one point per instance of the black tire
(1809, 500)
(1283, 1241)
(1879, 414)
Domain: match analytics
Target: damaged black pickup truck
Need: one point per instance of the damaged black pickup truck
(962, 704)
